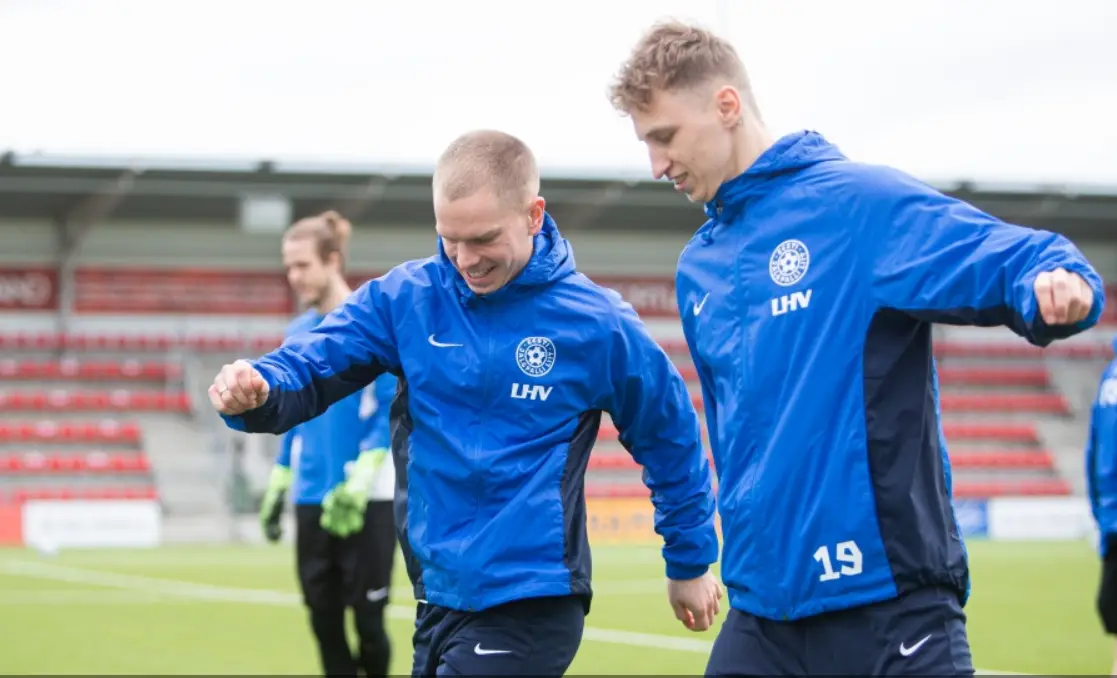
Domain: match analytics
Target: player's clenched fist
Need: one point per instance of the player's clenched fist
(238, 388)
(1064, 298)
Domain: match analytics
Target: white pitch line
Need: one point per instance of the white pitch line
(173, 587)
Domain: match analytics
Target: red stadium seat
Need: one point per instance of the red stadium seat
(116, 401)
(1002, 459)
(994, 376)
(1013, 488)
(1051, 403)
(1007, 432)
(85, 493)
(76, 432)
(116, 370)
(265, 344)
(69, 462)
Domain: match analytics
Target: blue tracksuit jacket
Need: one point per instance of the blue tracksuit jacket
(1101, 456)
(501, 399)
(326, 444)
(807, 300)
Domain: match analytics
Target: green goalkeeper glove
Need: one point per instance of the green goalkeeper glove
(343, 509)
(271, 508)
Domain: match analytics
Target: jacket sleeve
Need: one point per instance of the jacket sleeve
(659, 427)
(375, 405)
(354, 344)
(283, 457)
(943, 260)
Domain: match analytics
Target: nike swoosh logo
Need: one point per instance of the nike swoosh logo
(477, 649)
(908, 651)
(439, 344)
(699, 305)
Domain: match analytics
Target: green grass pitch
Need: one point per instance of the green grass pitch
(236, 610)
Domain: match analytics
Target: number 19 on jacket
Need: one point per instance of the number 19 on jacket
(847, 553)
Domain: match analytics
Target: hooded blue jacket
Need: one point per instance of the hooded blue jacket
(807, 301)
(500, 402)
(321, 449)
(1101, 456)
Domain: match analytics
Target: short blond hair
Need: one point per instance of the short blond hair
(673, 56)
(487, 159)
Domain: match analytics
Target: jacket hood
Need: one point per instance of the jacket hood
(789, 154)
(552, 259)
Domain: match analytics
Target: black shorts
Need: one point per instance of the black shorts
(922, 633)
(345, 572)
(1107, 591)
(531, 637)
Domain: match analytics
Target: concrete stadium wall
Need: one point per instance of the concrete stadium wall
(223, 245)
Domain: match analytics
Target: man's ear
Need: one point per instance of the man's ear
(536, 208)
(727, 100)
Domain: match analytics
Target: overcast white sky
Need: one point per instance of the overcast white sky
(996, 90)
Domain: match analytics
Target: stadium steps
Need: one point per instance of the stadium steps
(184, 465)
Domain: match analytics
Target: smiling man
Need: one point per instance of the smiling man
(507, 356)
(807, 301)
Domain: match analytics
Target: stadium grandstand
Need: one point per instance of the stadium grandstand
(125, 285)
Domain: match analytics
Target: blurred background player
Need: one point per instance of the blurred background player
(343, 476)
(1101, 489)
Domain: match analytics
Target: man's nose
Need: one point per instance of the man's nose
(466, 257)
(660, 164)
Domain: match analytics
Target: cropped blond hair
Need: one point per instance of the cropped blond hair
(487, 159)
(673, 56)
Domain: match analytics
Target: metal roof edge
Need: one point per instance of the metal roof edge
(552, 172)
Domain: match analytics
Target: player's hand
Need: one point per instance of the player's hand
(343, 508)
(238, 388)
(343, 513)
(271, 508)
(696, 602)
(1064, 298)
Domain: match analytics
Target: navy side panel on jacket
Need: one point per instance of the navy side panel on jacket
(400, 426)
(906, 463)
(573, 493)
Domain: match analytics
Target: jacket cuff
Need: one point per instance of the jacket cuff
(680, 572)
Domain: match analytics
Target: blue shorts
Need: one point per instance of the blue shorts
(920, 633)
(530, 637)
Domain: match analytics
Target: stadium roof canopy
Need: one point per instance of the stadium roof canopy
(171, 190)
